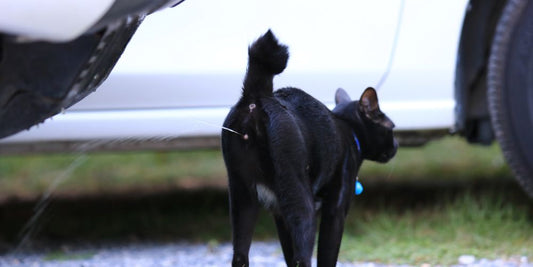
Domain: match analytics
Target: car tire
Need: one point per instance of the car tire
(510, 88)
(40, 79)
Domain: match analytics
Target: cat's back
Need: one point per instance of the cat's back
(301, 103)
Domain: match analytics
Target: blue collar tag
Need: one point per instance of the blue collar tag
(358, 187)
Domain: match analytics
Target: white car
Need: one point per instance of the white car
(440, 67)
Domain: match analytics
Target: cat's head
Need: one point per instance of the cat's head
(368, 123)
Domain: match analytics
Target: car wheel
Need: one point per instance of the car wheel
(39, 79)
(510, 88)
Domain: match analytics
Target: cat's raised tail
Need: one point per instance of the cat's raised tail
(266, 58)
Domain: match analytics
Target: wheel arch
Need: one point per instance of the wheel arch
(472, 117)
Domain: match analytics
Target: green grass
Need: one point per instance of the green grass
(450, 159)
(485, 226)
(27, 176)
(60, 255)
(428, 205)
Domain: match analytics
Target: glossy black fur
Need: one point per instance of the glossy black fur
(292, 155)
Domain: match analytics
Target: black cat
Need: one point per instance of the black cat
(294, 156)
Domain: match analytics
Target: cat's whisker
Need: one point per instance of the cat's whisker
(221, 127)
(233, 131)
(392, 167)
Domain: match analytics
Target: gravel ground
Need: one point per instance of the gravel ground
(183, 254)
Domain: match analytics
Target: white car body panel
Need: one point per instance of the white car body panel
(57, 20)
(183, 69)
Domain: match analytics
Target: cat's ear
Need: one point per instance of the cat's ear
(368, 103)
(341, 96)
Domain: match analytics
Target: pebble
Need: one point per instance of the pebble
(262, 254)
(466, 259)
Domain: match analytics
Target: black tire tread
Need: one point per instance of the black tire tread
(495, 80)
(26, 99)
